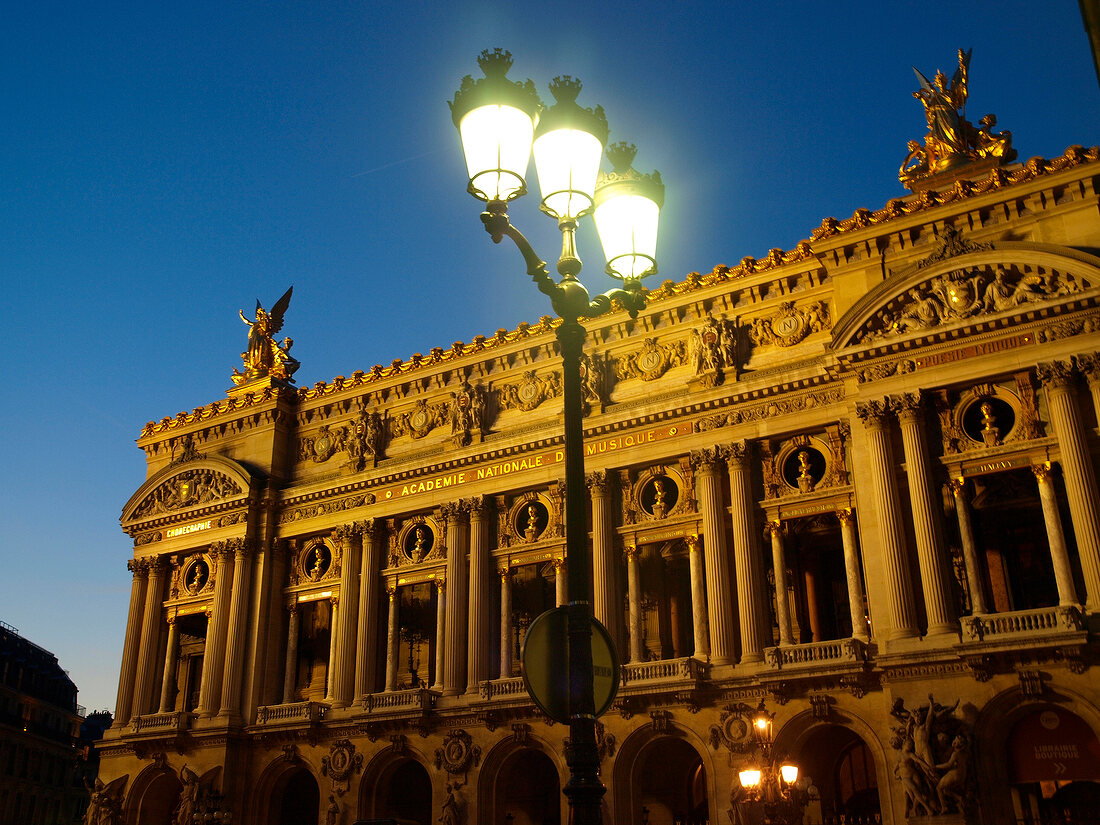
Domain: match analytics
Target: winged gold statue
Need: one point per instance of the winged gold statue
(952, 140)
(265, 356)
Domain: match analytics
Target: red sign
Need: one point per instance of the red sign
(1053, 744)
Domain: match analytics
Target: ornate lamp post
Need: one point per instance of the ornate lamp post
(769, 781)
(499, 120)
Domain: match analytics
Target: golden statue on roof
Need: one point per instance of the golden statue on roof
(952, 141)
(265, 356)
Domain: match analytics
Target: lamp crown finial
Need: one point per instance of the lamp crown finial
(496, 62)
(565, 88)
(621, 155)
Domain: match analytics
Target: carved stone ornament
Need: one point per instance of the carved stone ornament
(265, 356)
(423, 418)
(467, 414)
(315, 562)
(458, 753)
(593, 382)
(733, 729)
(190, 488)
(790, 324)
(529, 393)
(342, 761)
(195, 576)
(530, 518)
(650, 361)
(961, 294)
(712, 350)
(324, 445)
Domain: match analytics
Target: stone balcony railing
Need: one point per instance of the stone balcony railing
(401, 701)
(502, 688)
(664, 670)
(292, 713)
(172, 722)
(816, 654)
(1038, 622)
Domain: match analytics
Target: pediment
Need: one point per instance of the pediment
(187, 487)
(999, 282)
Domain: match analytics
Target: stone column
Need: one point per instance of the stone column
(1059, 553)
(746, 551)
(720, 590)
(561, 590)
(899, 587)
(477, 635)
(779, 572)
(453, 677)
(699, 634)
(852, 574)
(391, 640)
(440, 631)
(369, 585)
(330, 670)
(969, 547)
(1090, 365)
(674, 571)
(171, 653)
(290, 675)
(128, 675)
(216, 630)
(150, 636)
(238, 630)
(348, 549)
(505, 623)
(1084, 507)
(634, 595)
(926, 520)
(606, 606)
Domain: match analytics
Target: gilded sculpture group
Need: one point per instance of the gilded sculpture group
(952, 140)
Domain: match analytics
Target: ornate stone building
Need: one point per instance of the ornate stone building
(855, 480)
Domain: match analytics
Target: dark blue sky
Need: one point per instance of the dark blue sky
(163, 165)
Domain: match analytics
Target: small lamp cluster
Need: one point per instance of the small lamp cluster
(770, 781)
(501, 121)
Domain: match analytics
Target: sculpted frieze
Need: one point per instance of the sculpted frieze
(969, 293)
(530, 392)
(422, 420)
(769, 409)
(650, 361)
(325, 508)
(712, 350)
(190, 488)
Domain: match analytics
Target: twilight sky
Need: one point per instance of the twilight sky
(164, 164)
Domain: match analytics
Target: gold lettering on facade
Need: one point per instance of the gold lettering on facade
(188, 528)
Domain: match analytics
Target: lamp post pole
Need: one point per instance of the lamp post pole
(497, 120)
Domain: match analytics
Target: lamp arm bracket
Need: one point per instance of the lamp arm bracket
(630, 296)
(495, 218)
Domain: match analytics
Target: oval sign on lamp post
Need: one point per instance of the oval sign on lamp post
(546, 665)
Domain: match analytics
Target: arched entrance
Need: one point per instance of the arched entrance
(669, 783)
(528, 792)
(838, 772)
(404, 792)
(296, 800)
(1053, 768)
(156, 798)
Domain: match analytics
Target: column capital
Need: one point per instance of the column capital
(505, 573)
(630, 551)
(477, 507)
(957, 486)
(343, 533)
(441, 584)
(597, 482)
(292, 605)
(334, 600)
(874, 414)
(391, 589)
(1089, 365)
(909, 406)
(774, 526)
(738, 453)
(456, 511)
(139, 567)
(1056, 374)
(708, 458)
(692, 542)
(1044, 471)
(845, 515)
(558, 563)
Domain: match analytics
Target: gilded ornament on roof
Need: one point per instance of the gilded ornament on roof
(265, 356)
(952, 142)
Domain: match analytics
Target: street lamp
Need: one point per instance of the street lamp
(769, 781)
(499, 120)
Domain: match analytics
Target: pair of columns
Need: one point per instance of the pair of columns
(1059, 380)
(852, 577)
(223, 659)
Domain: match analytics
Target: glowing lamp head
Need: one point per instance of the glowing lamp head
(496, 121)
(569, 142)
(789, 773)
(628, 206)
(750, 778)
